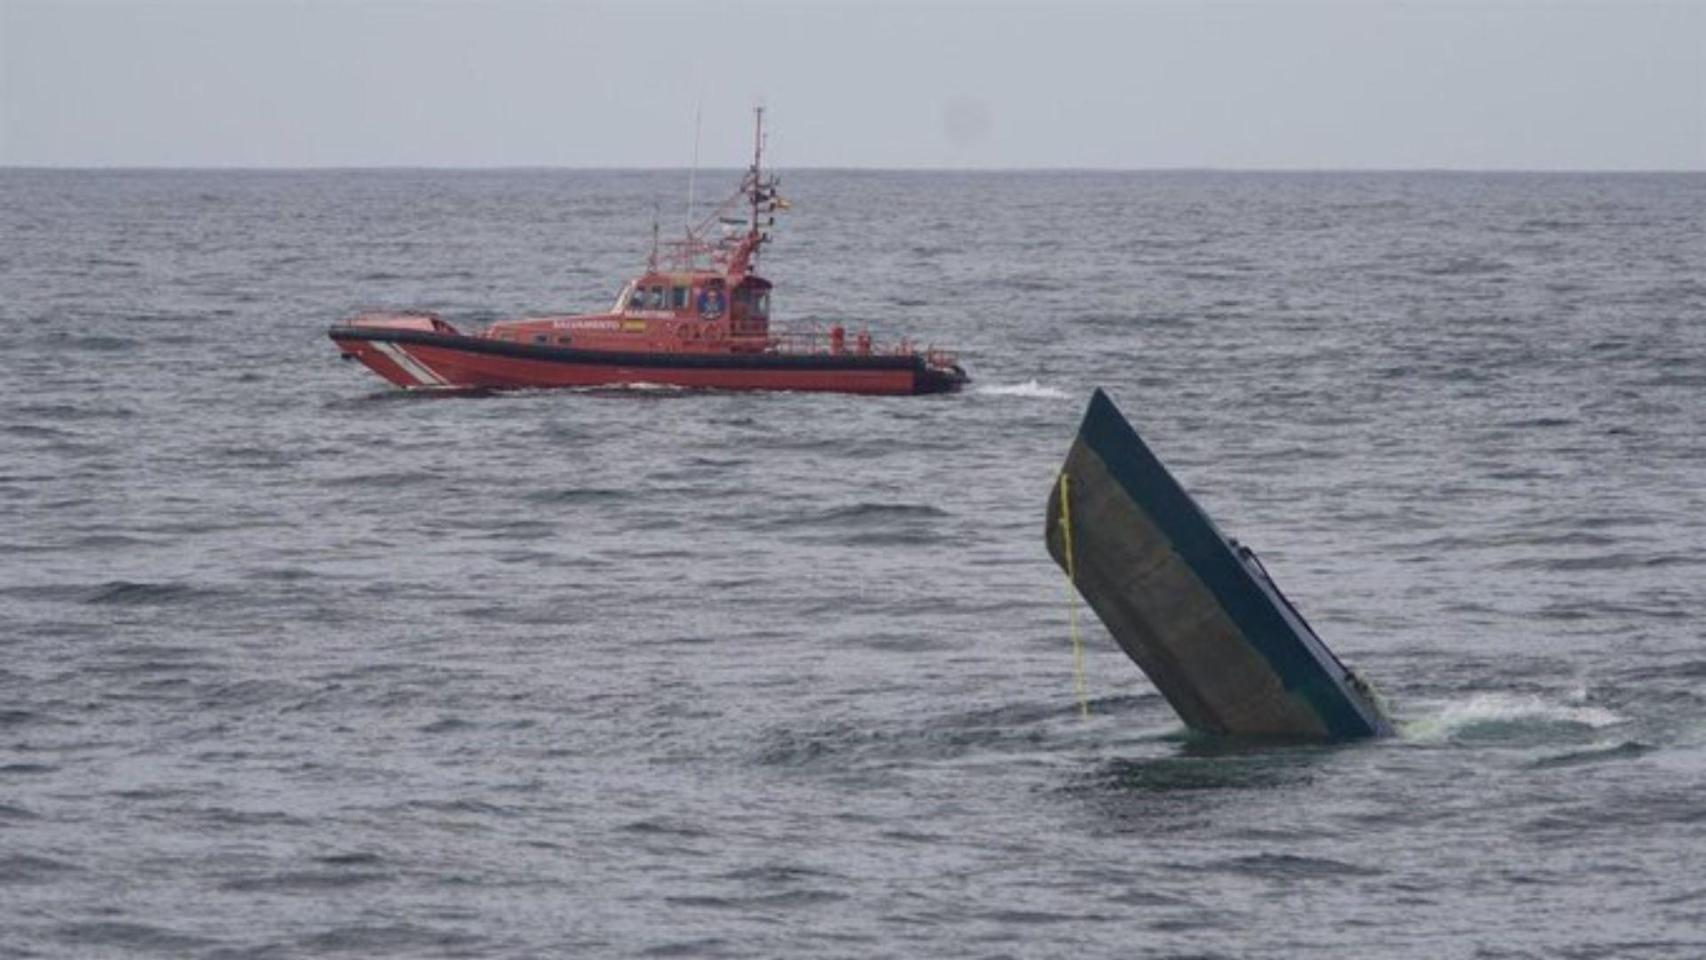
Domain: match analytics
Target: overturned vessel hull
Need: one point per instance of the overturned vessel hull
(1193, 608)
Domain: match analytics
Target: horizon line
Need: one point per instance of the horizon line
(641, 168)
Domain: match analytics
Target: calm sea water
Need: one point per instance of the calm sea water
(295, 665)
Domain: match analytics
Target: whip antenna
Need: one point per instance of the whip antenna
(693, 172)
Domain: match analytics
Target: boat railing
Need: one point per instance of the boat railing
(821, 340)
(422, 320)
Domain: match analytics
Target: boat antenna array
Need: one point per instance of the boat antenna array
(708, 241)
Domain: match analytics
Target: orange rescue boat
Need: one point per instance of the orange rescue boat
(699, 317)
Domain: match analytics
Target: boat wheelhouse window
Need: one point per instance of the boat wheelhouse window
(761, 306)
(637, 299)
(678, 297)
(654, 299)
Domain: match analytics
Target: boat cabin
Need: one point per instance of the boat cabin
(672, 312)
(702, 296)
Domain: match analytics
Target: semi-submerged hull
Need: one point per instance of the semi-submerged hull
(416, 359)
(1193, 608)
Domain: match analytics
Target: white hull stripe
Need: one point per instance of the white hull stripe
(424, 377)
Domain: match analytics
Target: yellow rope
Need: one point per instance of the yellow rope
(1078, 685)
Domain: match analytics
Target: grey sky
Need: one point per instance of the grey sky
(1461, 85)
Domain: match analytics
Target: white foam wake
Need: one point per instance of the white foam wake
(646, 385)
(1490, 713)
(1030, 389)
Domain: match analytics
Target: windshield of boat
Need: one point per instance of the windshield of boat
(756, 301)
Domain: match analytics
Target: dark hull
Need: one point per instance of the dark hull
(418, 359)
(1195, 610)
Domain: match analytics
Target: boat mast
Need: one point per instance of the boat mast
(735, 252)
